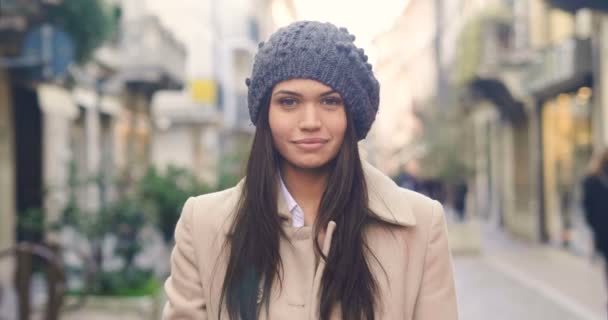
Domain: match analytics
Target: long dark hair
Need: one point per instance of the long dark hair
(253, 241)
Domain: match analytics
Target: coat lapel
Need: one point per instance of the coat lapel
(386, 199)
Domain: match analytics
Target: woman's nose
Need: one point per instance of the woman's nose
(310, 118)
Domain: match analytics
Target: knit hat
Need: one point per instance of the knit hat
(321, 52)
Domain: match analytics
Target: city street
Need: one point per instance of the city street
(514, 280)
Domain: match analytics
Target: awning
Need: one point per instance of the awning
(173, 106)
(56, 100)
(573, 5)
(495, 91)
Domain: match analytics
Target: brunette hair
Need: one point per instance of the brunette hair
(253, 241)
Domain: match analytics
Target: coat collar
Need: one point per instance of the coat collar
(388, 201)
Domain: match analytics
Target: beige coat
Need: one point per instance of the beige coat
(413, 250)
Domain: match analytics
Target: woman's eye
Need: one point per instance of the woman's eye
(289, 102)
(332, 101)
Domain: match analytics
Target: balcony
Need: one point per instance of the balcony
(177, 107)
(499, 51)
(560, 67)
(165, 67)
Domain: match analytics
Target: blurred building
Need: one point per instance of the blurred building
(206, 126)
(568, 85)
(153, 60)
(405, 52)
(237, 38)
(541, 122)
(528, 79)
(34, 54)
(67, 130)
(186, 134)
(109, 139)
(238, 26)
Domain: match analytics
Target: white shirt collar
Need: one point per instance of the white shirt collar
(293, 207)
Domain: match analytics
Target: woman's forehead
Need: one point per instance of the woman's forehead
(302, 86)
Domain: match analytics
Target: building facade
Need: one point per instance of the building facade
(528, 78)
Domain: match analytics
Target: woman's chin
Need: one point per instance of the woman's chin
(311, 163)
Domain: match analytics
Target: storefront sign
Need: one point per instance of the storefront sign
(204, 91)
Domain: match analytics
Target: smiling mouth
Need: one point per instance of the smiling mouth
(310, 144)
(311, 141)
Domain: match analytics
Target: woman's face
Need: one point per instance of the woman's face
(308, 121)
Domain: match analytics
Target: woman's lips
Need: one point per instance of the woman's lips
(310, 144)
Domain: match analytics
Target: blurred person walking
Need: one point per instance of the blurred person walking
(312, 231)
(595, 203)
(408, 176)
(459, 199)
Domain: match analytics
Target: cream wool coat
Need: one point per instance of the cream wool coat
(412, 249)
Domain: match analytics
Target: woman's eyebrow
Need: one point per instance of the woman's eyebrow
(328, 93)
(293, 93)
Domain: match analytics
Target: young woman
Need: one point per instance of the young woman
(312, 231)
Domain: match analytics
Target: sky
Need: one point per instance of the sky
(364, 18)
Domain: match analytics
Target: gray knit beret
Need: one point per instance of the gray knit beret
(322, 52)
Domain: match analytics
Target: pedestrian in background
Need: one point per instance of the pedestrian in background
(408, 176)
(459, 199)
(312, 231)
(595, 203)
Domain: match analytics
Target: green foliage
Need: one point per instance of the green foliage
(447, 141)
(89, 23)
(228, 171)
(72, 213)
(469, 49)
(468, 52)
(132, 283)
(166, 193)
(232, 161)
(154, 200)
(129, 283)
(31, 224)
(447, 135)
(124, 218)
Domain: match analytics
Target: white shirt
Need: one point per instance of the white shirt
(297, 214)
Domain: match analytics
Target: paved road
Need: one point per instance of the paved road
(485, 292)
(511, 279)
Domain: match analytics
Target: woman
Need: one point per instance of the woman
(311, 232)
(595, 203)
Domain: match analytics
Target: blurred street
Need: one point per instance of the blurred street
(513, 280)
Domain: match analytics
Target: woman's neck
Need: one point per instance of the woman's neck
(306, 186)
